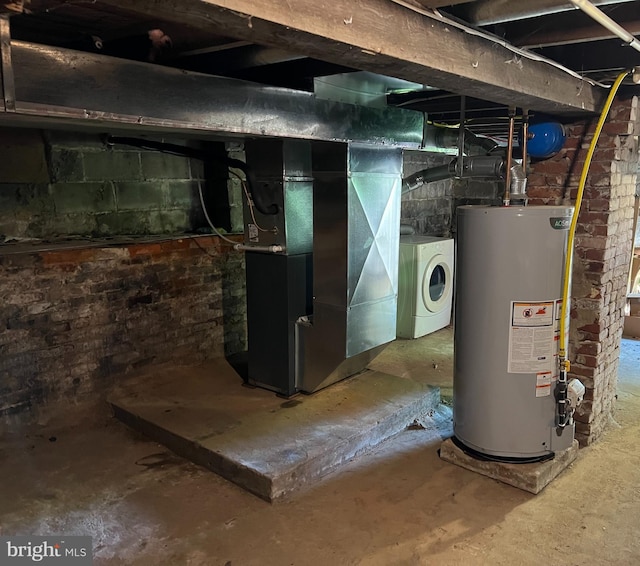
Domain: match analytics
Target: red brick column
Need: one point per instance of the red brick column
(602, 252)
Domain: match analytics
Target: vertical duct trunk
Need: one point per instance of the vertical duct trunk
(356, 218)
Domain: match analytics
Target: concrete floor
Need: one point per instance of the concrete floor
(85, 473)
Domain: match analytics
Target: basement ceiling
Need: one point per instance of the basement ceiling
(549, 28)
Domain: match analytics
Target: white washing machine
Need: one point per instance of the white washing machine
(425, 285)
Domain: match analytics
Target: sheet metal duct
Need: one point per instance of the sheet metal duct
(78, 89)
(356, 215)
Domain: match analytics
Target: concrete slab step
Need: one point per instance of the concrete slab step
(269, 446)
(528, 477)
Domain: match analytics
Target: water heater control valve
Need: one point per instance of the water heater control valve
(575, 392)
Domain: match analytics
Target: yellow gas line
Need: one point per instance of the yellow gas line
(564, 364)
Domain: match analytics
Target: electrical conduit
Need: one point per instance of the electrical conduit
(563, 415)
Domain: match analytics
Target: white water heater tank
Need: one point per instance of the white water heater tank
(510, 263)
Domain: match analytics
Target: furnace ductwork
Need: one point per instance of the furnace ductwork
(356, 215)
(476, 166)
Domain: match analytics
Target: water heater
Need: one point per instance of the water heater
(510, 264)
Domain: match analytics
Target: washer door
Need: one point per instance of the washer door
(436, 284)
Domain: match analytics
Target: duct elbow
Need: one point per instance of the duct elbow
(415, 181)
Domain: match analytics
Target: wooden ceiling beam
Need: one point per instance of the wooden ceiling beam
(595, 55)
(571, 27)
(384, 37)
(438, 3)
(11, 6)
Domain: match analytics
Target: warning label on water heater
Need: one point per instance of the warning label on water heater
(532, 337)
(543, 384)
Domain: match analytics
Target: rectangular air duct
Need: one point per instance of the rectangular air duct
(356, 219)
(78, 90)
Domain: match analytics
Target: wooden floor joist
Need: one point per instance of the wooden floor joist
(384, 37)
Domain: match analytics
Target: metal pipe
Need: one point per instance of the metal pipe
(415, 181)
(483, 166)
(476, 166)
(460, 162)
(525, 139)
(604, 20)
(518, 183)
(507, 174)
(561, 394)
(268, 249)
(448, 138)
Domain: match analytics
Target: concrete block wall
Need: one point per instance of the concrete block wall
(476, 191)
(76, 315)
(57, 183)
(429, 208)
(74, 319)
(602, 253)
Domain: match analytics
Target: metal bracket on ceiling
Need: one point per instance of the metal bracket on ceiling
(8, 83)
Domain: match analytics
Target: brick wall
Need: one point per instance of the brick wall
(429, 208)
(72, 319)
(75, 317)
(603, 250)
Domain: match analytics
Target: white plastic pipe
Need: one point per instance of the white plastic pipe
(604, 20)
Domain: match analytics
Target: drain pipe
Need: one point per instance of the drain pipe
(564, 414)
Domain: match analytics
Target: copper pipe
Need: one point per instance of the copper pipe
(525, 138)
(507, 175)
(460, 162)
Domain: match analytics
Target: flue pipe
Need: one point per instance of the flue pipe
(604, 20)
